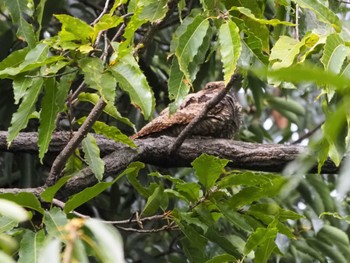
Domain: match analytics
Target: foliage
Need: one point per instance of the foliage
(59, 58)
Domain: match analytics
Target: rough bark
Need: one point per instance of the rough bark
(243, 155)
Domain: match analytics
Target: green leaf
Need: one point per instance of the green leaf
(63, 87)
(24, 199)
(74, 163)
(131, 79)
(334, 54)
(50, 192)
(39, 15)
(92, 156)
(264, 251)
(190, 42)
(14, 59)
(21, 117)
(110, 109)
(74, 29)
(109, 242)
(7, 224)
(13, 211)
(51, 251)
(17, 8)
(247, 178)
(154, 201)
(106, 22)
(208, 169)
(154, 10)
(286, 104)
(222, 258)
(30, 246)
(258, 238)
(26, 32)
(35, 58)
(307, 73)
(134, 24)
(112, 132)
(54, 221)
(247, 12)
(20, 86)
(178, 89)
(5, 258)
(48, 117)
(322, 12)
(97, 78)
(284, 52)
(90, 192)
(230, 48)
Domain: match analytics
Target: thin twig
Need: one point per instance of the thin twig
(104, 11)
(157, 230)
(297, 21)
(308, 134)
(208, 106)
(61, 159)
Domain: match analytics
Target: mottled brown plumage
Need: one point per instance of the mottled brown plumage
(222, 121)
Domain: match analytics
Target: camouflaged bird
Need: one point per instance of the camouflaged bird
(222, 121)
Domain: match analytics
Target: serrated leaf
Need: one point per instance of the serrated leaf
(254, 45)
(24, 199)
(21, 117)
(17, 8)
(74, 29)
(74, 163)
(334, 54)
(259, 236)
(90, 192)
(110, 109)
(285, 52)
(322, 12)
(222, 258)
(109, 242)
(132, 80)
(189, 43)
(154, 201)
(54, 220)
(92, 156)
(30, 246)
(48, 117)
(178, 89)
(208, 169)
(264, 251)
(125, 48)
(35, 58)
(154, 10)
(97, 78)
(13, 211)
(26, 32)
(7, 224)
(247, 12)
(106, 22)
(14, 59)
(230, 48)
(247, 178)
(112, 132)
(20, 85)
(63, 87)
(48, 194)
